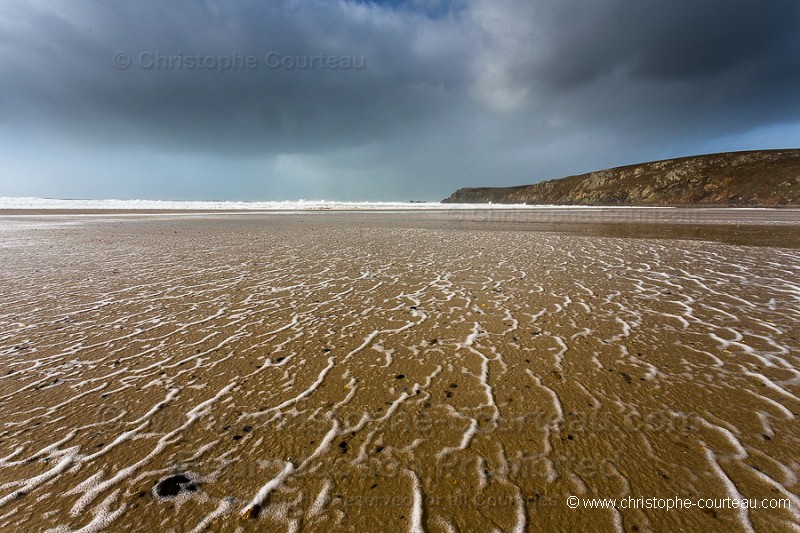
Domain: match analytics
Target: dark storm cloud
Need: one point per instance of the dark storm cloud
(716, 62)
(288, 102)
(680, 40)
(438, 94)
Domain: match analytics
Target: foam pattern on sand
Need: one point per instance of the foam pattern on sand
(362, 378)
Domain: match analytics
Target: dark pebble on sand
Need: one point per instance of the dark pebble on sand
(174, 485)
(400, 376)
(253, 512)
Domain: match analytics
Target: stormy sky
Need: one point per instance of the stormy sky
(396, 100)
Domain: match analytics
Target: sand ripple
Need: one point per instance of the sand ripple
(353, 377)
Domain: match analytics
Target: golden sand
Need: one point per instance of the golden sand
(398, 372)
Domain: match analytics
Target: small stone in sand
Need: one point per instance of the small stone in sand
(174, 485)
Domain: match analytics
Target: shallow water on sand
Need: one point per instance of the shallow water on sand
(396, 372)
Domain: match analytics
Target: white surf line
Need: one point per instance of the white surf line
(275, 349)
(143, 422)
(519, 497)
(480, 471)
(369, 338)
(291, 401)
(34, 482)
(226, 340)
(321, 501)
(616, 519)
(476, 332)
(772, 385)
(32, 385)
(536, 316)
(40, 453)
(484, 375)
(4, 462)
(730, 316)
(585, 288)
(563, 349)
(352, 388)
(730, 487)
(587, 392)
(338, 295)
(388, 355)
(416, 505)
(295, 321)
(556, 400)
(224, 507)
(484, 379)
(264, 492)
(717, 361)
(52, 410)
(102, 517)
(725, 344)
(679, 318)
(80, 347)
(466, 437)
(509, 316)
(626, 328)
(794, 509)
(362, 455)
(324, 445)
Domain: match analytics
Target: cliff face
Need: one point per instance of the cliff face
(757, 178)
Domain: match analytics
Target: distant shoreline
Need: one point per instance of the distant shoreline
(137, 207)
(444, 208)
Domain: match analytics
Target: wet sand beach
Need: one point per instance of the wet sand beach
(405, 371)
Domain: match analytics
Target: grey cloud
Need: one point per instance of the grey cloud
(66, 70)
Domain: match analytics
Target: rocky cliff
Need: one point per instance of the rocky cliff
(756, 178)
